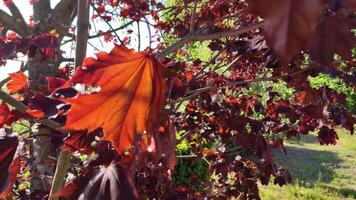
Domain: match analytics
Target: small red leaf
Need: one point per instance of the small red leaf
(54, 83)
(38, 114)
(17, 83)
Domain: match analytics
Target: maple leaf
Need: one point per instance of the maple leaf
(130, 97)
(335, 36)
(111, 181)
(289, 25)
(327, 136)
(17, 83)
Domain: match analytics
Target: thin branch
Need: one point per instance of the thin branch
(117, 36)
(197, 92)
(23, 108)
(149, 31)
(195, 36)
(192, 20)
(112, 30)
(99, 34)
(138, 36)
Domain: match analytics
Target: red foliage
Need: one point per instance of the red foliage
(215, 106)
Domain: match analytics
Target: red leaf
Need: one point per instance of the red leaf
(289, 25)
(102, 182)
(38, 114)
(7, 117)
(8, 165)
(17, 83)
(79, 141)
(327, 136)
(4, 114)
(54, 83)
(335, 36)
(130, 97)
(307, 97)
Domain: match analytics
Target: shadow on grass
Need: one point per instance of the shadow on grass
(303, 139)
(345, 192)
(309, 167)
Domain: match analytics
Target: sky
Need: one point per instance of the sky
(24, 5)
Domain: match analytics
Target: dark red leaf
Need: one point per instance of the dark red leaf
(54, 83)
(334, 36)
(80, 141)
(111, 182)
(327, 136)
(9, 166)
(289, 25)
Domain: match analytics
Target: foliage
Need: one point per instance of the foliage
(233, 81)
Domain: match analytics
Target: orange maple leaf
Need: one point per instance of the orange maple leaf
(18, 81)
(128, 96)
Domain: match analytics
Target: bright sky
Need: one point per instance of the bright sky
(23, 5)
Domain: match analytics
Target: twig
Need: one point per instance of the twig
(192, 20)
(138, 36)
(117, 36)
(197, 92)
(195, 36)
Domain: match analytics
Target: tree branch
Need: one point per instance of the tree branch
(15, 12)
(41, 10)
(197, 92)
(100, 33)
(10, 22)
(82, 32)
(196, 36)
(63, 162)
(23, 108)
(96, 10)
(64, 14)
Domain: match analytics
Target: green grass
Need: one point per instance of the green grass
(319, 172)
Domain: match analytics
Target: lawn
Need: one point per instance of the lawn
(319, 172)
